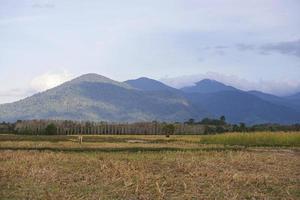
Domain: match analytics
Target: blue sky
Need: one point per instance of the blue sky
(248, 44)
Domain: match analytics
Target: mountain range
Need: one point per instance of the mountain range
(97, 98)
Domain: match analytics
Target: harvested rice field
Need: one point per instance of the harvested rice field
(150, 167)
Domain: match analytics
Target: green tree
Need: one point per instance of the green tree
(235, 128)
(220, 129)
(208, 130)
(243, 127)
(50, 129)
(222, 118)
(191, 121)
(168, 129)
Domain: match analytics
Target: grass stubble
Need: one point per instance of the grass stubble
(250, 173)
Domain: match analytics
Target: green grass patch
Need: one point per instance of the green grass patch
(291, 139)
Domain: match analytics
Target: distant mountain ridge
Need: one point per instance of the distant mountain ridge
(290, 101)
(96, 78)
(294, 96)
(239, 106)
(208, 86)
(97, 98)
(147, 84)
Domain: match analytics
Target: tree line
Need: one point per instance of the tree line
(65, 127)
(213, 126)
(191, 126)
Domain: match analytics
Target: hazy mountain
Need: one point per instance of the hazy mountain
(208, 86)
(157, 87)
(269, 97)
(290, 101)
(294, 101)
(147, 84)
(96, 78)
(294, 96)
(94, 97)
(240, 106)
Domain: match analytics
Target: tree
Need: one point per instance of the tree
(208, 121)
(235, 128)
(51, 129)
(208, 130)
(243, 127)
(220, 129)
(190, 121)
(168, 129)
(222, 118)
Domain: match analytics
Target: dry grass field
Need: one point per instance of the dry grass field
(151, 167)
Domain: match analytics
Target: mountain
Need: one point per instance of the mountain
(290, 101)
(239, 106)
(96, 78)
(208, 86)
(294, 96)
(147, 84)
(269, 97)
(294, 101)
(97, 98)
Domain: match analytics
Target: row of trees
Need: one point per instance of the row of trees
(168, 129)
(39, 127)
(205, 126)
(214, 126)
(6, 127)
(209, 121)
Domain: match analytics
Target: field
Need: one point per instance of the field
(227, 166)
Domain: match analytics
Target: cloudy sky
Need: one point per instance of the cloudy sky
(251, 44)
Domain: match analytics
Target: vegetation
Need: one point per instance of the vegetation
(254, 139)
(290, 139)
(149, 167)
(209, 121)
(51, 129)
(206, 126)
(168, 129)
(6, 127)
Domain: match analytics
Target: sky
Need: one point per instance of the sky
(252, 45)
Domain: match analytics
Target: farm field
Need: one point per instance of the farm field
(226, 166)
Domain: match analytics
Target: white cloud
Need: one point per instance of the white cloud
(278, 87)
(49, 80)
(15, 94)
(38, 84)
(19, 20)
